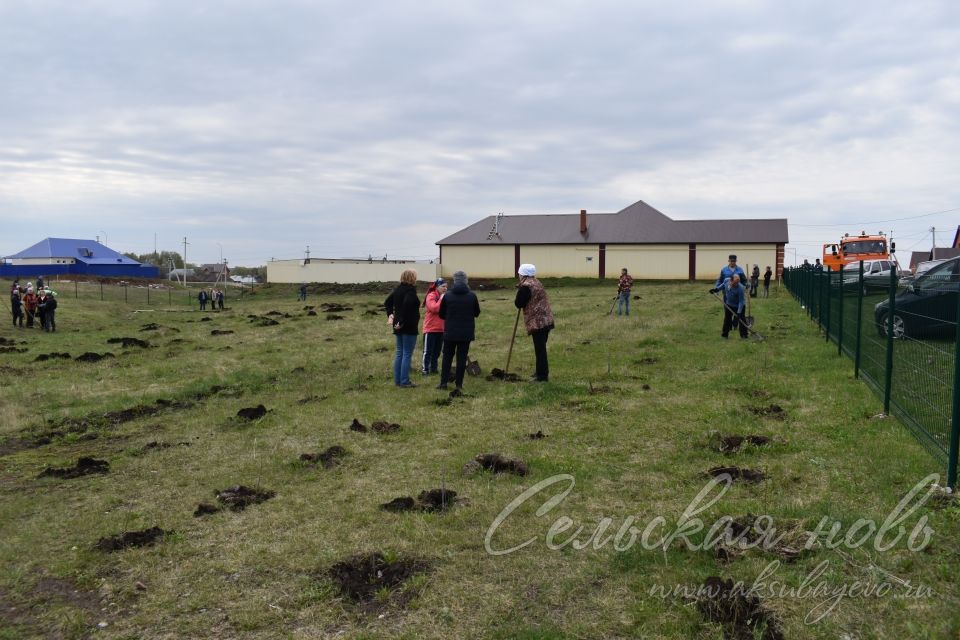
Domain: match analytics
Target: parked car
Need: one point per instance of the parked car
(922, 268)
(927, 306)
(876, 274)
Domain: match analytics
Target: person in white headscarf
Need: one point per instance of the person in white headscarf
(537, 316)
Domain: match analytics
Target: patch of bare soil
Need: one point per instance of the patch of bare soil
(153, 326)
(496, 463)
(329, 458)
(309, 399)
(645, 387)
(772, 411)
(52, 356)
(739, 612)
(750, 476)
(431, 501)
(240, 497)
(264, 321)
(732, 444)
(358, 426)
(539, 435)
(84, 467)
(130, 539)
(221, 332)
(252, 413)
(592, 390)
(311, 312)
(939, 501)
(362, 577)
(382, 426)
(129, 342)
(205, 509)
(760, 394)
(745, 533)
(334, 316)
(7, 341)
(333, 307)
(500, 374)
(13, 350)
(90, 356)
(155, 445)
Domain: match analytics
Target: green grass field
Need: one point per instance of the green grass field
(633, 414)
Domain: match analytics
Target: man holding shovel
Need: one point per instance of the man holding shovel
(537, 316)
(734, 301)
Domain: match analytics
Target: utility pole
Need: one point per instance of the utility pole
(308, 255)
(933, 251)
(185, 243)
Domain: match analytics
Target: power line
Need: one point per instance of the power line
(875, 222)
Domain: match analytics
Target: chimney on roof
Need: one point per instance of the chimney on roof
(583, 220)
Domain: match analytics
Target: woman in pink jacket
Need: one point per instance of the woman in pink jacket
(432, 327)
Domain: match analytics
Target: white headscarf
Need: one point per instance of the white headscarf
(527, 270)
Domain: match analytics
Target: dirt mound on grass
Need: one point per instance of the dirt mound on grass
(382, 426)
(52, 356)
(732, 444)
(90, 356)
(496, 463)
(129, 539)
(647, 360)
(371, 312)
(84, 467)
(431, 501)
(539, 435)
(738, 611)
(263, 321)
(750, 476)
(332, 307)
(329, 458)
(311, 312)
(205, 509)
(334, 316)
(129, 342)
(7, 341)
(153, 326)
(771, 411)
(221, 332)
(240, 497)
(500, 374)
(252, 413)
(362, 577)
(13, 349)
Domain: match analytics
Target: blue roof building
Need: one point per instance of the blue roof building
(61, 256)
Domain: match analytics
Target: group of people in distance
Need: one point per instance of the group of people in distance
(37, 306)
(214, 297)
(734, 294)
(449, 323)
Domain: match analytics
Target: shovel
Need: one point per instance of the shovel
(512, 340)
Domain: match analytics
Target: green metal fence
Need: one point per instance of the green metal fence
(903, 339)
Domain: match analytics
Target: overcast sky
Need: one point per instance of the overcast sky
(256, 128)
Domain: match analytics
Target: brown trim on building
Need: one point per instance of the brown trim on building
(603, 261)
(516, 258)
(692, 262)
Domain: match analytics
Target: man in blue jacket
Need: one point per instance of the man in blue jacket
(734, 302)
(732, 269)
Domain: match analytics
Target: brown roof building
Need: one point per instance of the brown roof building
(645, 241)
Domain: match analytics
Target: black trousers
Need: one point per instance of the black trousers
(461, 348)
(731, 320)
(540, 351)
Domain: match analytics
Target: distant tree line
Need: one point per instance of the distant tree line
(164, 258)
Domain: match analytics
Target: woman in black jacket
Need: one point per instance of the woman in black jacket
(459, 307)
(403, 310)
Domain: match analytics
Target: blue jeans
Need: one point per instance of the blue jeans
(623, 299)
(401, 363)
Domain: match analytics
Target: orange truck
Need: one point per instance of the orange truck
(855, 248)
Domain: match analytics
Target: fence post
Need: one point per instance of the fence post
(840, 317)
(124, 293)
(856, 360)
(888, 382)
(76, 289)
(955, 420)
(148, 295)
(826, 328)
(101, 291)
(819, 298)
